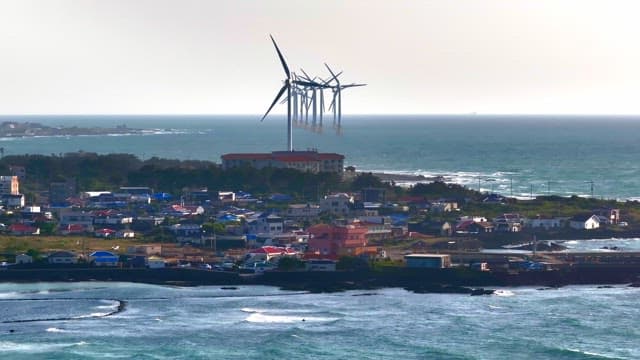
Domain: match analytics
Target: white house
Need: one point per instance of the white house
(303, 211)
(544, 223)
(337, 204)
(23, 259)
(267, 224)
(584, 222)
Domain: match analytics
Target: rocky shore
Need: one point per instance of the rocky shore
(453, 280)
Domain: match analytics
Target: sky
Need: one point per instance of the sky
(417, 57)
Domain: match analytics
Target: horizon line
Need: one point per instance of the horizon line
(354, 114)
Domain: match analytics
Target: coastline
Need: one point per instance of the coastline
(451, 280)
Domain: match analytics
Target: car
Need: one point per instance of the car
(623, 224)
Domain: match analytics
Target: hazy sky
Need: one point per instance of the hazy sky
(215, 57)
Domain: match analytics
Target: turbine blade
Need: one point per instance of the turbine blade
(305, 74)
(284, 88)
(335, 77)
(307, 83)
(284, 63)
(352, 85)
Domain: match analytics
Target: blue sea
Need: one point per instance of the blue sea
(253, 322)
(512, 155)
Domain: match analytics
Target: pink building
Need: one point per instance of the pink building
(336, 240)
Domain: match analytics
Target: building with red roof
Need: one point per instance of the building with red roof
(311, 160)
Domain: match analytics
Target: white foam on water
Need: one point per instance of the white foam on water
(252, 310)
(92, 315)
(503, 293)
(591, 353)
(55, 330)
(34, 348)
(9, 295)
(284, 319)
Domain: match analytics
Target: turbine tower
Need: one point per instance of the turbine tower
(289, 82)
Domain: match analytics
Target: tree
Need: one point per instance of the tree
(352, 263)
(290, 263)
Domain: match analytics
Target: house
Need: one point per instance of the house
(303, 211)
(146, 250)
(23, 229)
(24, 259)
(443, 207)
(104, 233)
(104, 258)
(111, 217)
(62, 257)
(336, 239)
(155, 262)
(267, 253)
(483, 227)
(72, 229)
(611, 215)
(378, 227)
(584, 222)
(337, 204)
(265, 223)
(126, 233)
(225, 197)
(79, 219)
(13, 201)
(544, 222)
(187, 232)
(510, 222)
(435, 228)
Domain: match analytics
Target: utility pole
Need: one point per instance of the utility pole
(511, 185)
(591, 183)
(531, 192)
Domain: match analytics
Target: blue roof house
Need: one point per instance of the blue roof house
(104, 258)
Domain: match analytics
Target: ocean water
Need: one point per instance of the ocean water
(512, 155)
(161, 322)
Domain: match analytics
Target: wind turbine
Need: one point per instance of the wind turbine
(337, 95)
(288, 83)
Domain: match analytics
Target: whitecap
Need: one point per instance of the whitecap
(252, 310)
(503, 293)
(591, 353)
(92, 315)
(55, 330)
(283, 319)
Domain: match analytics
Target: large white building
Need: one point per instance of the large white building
(311, 161)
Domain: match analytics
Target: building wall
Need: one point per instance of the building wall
(9, 185)
(428, 261)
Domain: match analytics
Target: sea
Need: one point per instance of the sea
(520, 156)
(96, 320)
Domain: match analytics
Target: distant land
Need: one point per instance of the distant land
(28, 129)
